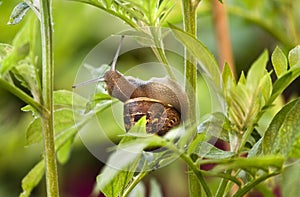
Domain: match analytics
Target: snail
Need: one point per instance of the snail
(162, 100)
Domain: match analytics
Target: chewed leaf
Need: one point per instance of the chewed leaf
(18, 13)
(32, 179)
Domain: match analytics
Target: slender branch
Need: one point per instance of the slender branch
(135, 181)
(194, 168)
(21, 95)
(47, 85)
(222, 185)
(252, 184)
(189, 13)
(222, 35)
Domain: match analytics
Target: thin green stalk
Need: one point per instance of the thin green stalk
(47, 98)
(192, 166)
(190, 26)
(252, 184)
(21, 95)
(189, 10)
(135, 181)
(158, 49)
(222, 186)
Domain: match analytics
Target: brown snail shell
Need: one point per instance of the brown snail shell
(160, 117)
(162, 100)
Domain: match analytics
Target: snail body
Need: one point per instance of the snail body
(161, 100)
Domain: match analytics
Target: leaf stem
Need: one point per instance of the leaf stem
(192, 166)
(47, 95)
(222, 185)
(251, 185)
(21, 95)
(135, 181)
(189, 13)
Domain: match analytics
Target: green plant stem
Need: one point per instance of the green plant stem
(135, 181)
(252, 184)
(21, 95)
(190, 26)
(222, 185)
(159, 52)
(47, 95)
(192, 166)
(189, 10)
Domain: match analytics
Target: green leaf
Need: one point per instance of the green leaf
(18, 13)
(257, 71)
(279, 62)
(256, 150)
(69, 100)
(28, 75)
(34, 132)
(242, 79)
(283, 82)
(65, 132)
(265, 87)
(283, 131)
(294, 57)
(228, 79)
(32, 179)
(200, 137)
(155, 190)
(263, 163)
(290, 180)
(207, 150)
(5, 50)
(216, 125)
(63, 154)
(119, 170)
(24, 46)
(206, 59)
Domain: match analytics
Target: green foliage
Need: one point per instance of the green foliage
(279, 62)
(205, 58)
(278, 18)
(284, 131)
(136, 13)
(246, 100)
(32, 179)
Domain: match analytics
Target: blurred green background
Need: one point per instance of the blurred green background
(78, 28)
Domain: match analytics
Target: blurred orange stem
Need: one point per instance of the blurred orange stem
(222, 35)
